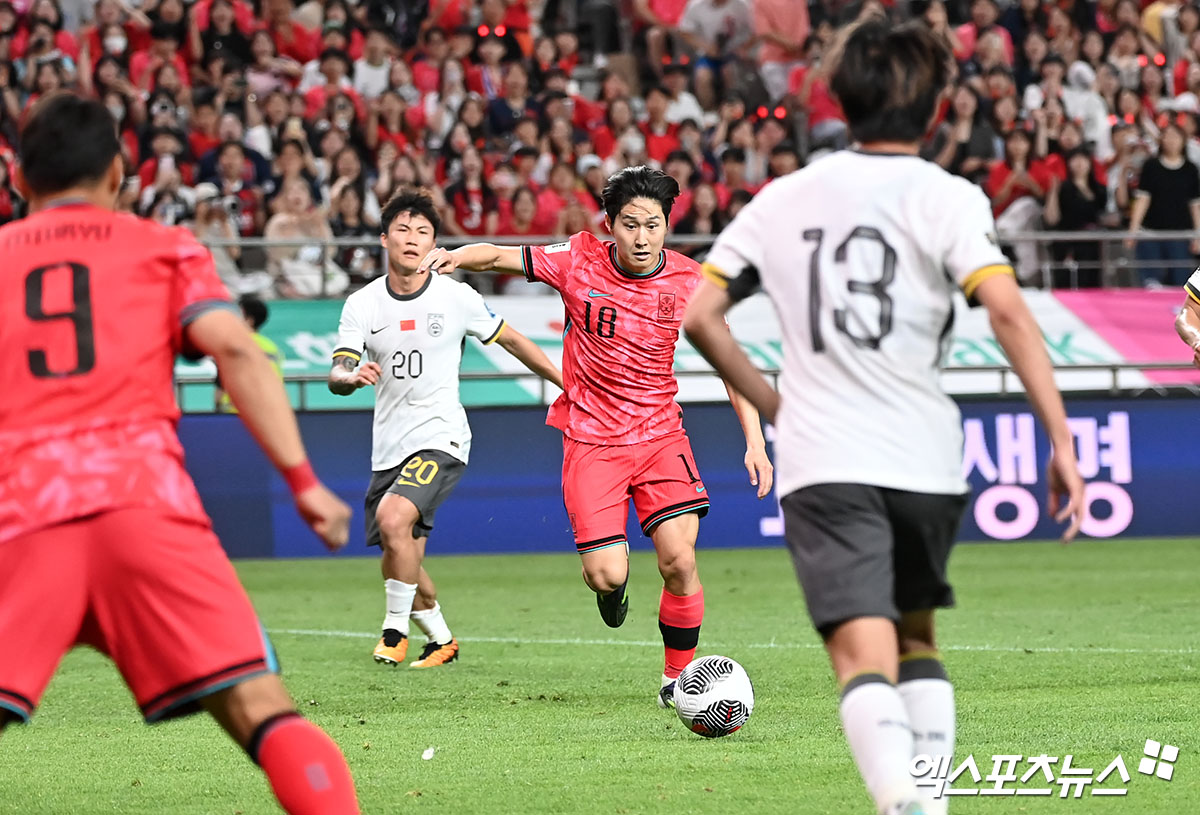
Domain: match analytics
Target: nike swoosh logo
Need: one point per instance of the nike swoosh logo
(594, 293)
(700, 488)
(377, 330)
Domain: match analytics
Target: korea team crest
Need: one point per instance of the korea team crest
(666, 305)
(437, 324)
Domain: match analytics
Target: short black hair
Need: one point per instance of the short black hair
(639, 182)
(162, 30)
(338, 54)
(229, 145)
(888, 79)
(414, 202)
(254, 309)
(67, 141)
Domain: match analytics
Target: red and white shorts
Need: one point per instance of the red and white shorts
(155, 593)
(598, 480)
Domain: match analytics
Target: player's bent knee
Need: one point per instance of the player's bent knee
(396, 517)
(605, 575)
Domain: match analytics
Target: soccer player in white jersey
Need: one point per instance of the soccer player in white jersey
(410, 325)
(860, 253)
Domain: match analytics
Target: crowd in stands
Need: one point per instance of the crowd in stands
(268, 119)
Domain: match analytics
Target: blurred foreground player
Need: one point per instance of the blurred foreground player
(96, 509)
(860, 253)
(623, 433)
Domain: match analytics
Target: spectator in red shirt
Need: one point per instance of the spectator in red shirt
(521, 216)
(733, 172)
(291, 38)
(984, 14)
(385, 123)
(427, 62)
(470, 203)
(659, 20)
(203, 136)
(486, 78)
(1017, 185)
(808, 89)
(335, 67)
(46, 11)
(166, 148)
(163, 50)
(115, 19)
(563, 187)
(659, 133)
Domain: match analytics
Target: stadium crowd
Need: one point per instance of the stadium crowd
(284, 121)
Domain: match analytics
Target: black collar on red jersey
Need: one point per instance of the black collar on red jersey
(414, 295)
(616, 264)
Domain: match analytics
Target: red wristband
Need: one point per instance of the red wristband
(300, 478)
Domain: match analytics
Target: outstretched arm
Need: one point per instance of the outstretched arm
(758, 464)
(475, 257)
(530, 355)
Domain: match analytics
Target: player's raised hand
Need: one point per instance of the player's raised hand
(367, 374)
(439, 261)
(762, 473)
(328, 515)
(1066, 499)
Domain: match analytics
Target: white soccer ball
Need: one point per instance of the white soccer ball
(714, 696)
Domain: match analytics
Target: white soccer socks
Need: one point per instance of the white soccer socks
(877, 727)
(399, 604)
(431, 621)
(929, 699)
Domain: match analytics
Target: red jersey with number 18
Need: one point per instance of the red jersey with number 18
(92, 310)
(619, 343)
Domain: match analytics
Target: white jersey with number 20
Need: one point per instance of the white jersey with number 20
(860, 254)
(417, 339)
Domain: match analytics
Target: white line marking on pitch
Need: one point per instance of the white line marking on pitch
(309, 632)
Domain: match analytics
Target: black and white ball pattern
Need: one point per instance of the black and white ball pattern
(714, 696)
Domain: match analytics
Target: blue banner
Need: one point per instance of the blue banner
(1134, 453)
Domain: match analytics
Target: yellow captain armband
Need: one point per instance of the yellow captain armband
(715, 275)
(1192, 293)
(983, 273)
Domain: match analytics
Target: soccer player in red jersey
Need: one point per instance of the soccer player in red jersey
(622, 430)
(96, 509)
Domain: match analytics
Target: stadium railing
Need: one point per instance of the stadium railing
(1118, 265)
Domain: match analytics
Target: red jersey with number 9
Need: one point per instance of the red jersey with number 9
(619, 342)
(92, 309)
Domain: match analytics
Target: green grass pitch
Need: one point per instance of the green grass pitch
(1089, 649)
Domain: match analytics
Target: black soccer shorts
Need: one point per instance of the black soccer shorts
(426, 478)
(864, 551)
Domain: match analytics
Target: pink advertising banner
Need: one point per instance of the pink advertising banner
(1139, 325)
